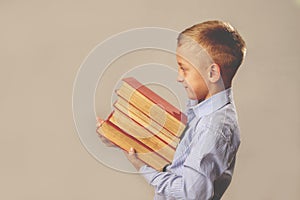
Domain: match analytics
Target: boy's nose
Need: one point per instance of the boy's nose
(179, 78)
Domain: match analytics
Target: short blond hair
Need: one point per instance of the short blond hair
(221, 41)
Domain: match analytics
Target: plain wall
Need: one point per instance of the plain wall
(43, 44)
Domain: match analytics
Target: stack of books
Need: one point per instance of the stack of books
(145, 121)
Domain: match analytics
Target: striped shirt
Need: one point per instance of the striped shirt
(204, 160)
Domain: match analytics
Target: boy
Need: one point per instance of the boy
(208, 56)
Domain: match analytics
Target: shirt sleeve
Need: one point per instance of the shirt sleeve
(191, 185)
(204, 164)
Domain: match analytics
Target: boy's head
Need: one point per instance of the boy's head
(208, 56)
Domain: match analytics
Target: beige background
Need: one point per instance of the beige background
(42, 45)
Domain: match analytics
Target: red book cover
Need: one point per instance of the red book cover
(172, 110)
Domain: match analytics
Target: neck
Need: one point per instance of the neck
(216, 88)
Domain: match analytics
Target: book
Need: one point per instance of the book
(153, 105)
(148, 123)
(143, 135)
(145, 121)
(126, 141)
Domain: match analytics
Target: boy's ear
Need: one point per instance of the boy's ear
(214, 73)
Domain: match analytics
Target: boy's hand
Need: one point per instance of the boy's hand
(102, 138)
(133, 158)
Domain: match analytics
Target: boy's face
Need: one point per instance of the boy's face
(192, 72)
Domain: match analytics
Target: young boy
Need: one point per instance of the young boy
(208, 55)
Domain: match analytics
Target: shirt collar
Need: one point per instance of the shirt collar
(211, 104)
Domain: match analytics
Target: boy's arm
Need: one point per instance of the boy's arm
(201, 168)
(191, 185)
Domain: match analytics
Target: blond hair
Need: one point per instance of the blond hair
(221, 41)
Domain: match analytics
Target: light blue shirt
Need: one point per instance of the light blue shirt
(204, 160)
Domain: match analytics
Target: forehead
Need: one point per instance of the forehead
(184, 54)
(195, 55)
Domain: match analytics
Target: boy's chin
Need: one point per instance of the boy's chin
(192, 97)
(195, 98)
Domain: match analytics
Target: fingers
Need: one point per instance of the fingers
(106, 141)
(131, 151)
(99, 119)
(133, 158)
(99, 122)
